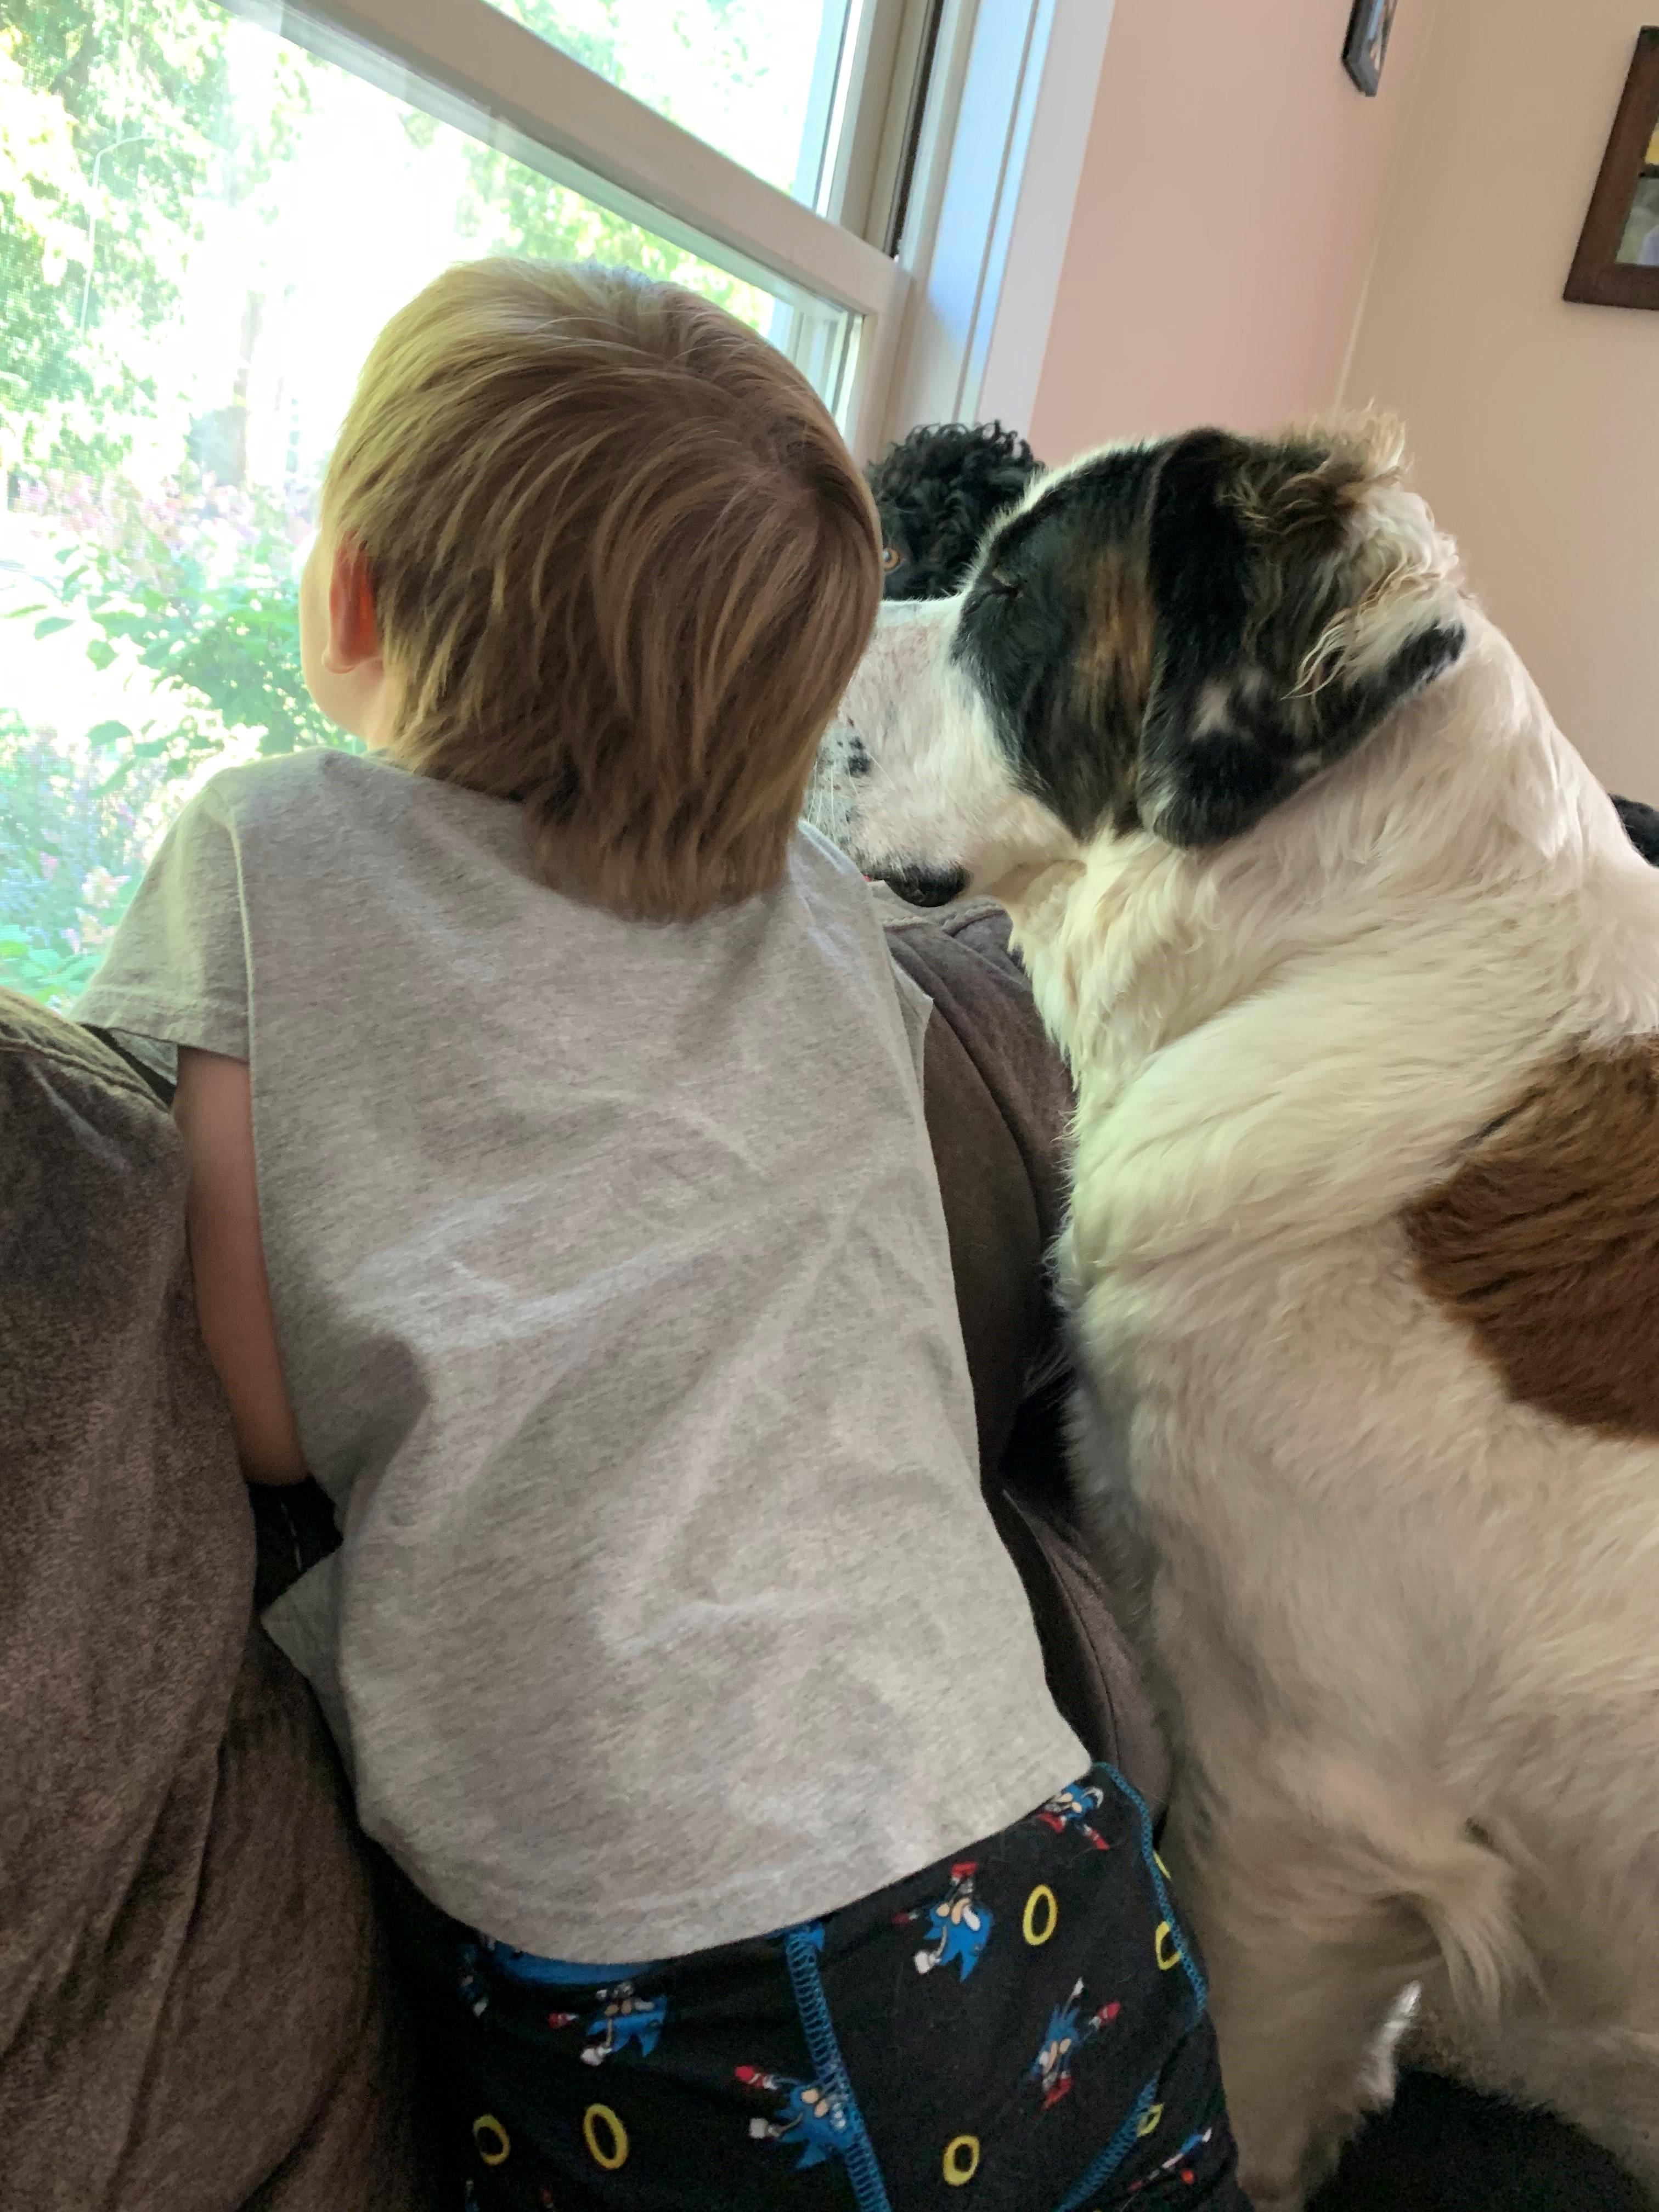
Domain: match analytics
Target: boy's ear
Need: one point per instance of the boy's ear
(354, 626)
(1300, 595)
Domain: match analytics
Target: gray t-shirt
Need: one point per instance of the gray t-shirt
(612, 1288)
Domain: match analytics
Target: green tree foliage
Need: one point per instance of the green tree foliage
(212, 630)
(512, 209)
(108, 116)
(67, 833)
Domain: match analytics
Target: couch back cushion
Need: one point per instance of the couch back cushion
(999, 1105)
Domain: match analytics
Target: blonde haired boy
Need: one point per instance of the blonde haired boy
(560, 1202)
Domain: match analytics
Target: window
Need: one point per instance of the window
(760, 83)
(206, 212)
(208, 207)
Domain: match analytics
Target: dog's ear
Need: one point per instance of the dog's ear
(1299, 594)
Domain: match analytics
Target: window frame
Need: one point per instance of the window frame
(946, 219)
(469, 63)
(997, 169)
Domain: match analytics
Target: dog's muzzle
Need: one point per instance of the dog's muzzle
(925, 886)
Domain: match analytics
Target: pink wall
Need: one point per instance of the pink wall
(1535, 424)
(1230, 203)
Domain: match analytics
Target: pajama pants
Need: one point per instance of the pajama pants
(1020, 2028)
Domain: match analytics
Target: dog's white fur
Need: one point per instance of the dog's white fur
(1408, 1630)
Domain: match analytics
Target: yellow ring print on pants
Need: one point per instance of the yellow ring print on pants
(1166, 1947)
(1042, 1899)
(489, 2139)
(1150, 2120)
(960, 2161)
(614, 2152)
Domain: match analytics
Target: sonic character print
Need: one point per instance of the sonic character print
(1067, 2033)
(472, 1989)
(1177, 2163)
(624, 2018)
(959, 1926)
(1075, 1807)
(812, 2117)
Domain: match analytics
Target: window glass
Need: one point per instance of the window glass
(201, 228)
(755, 78)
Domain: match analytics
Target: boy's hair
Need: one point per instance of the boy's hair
(623, 567)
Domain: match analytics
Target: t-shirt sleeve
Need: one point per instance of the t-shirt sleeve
(176, 970)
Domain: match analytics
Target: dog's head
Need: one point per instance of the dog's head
(938, 491)
(1169, 639)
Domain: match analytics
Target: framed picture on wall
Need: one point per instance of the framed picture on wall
(1366, 46)
(1617, 264)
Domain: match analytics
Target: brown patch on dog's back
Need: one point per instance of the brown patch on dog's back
(1546, 1242)
(1112, 670)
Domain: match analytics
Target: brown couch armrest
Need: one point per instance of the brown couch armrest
(193, 2007)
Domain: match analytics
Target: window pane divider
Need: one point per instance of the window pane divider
(602, 142)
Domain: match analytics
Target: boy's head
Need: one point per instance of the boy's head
(619, 565)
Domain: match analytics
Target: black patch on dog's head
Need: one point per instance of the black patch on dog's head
(1056, 631)
(1258, 567)
(937, 492)
(1183, 635)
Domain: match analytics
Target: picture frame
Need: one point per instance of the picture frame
(1366, 46)
(1617, 263)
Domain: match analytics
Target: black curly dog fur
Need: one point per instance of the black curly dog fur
(937, 492)
(939, 489)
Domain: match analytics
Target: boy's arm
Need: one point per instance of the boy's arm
(213, 1109)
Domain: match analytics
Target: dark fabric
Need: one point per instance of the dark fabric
(998, 1107)
(1441, 2148)
(192, 2006)
(1641, 826)
(294, 1527)
(1024, 2016)
(996, 1115)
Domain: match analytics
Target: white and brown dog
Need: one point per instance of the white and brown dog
(1359, 978)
